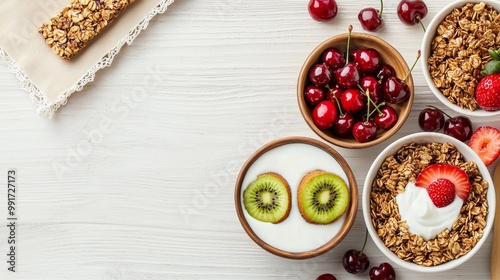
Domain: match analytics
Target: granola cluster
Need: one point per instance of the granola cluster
(459, 51)
(391, 180)
(70, 30)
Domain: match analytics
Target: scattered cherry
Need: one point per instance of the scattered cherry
(333, 58)
(322, 10)
(368, 60)
(371, 19)
(324, 114)
(326, 276)
(396, 90)
(459, 127)
(386, 117)
(384, 271)
(411, 12)
(431, 119)
(355, 261)
(320, 75)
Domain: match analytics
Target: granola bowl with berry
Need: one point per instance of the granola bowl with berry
(461, 57)
(428, 202)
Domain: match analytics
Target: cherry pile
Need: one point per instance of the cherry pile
(351, 98)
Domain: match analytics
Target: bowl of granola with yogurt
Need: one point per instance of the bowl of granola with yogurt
(428, 202)
(455, 51)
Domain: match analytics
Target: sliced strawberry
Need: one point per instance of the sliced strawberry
(452, 173)
(485, 141)
(441, 192)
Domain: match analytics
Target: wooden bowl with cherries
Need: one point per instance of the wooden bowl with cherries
(356, 100)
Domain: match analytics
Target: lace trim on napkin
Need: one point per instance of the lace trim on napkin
(48, 109)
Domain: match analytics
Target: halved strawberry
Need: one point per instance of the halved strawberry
(485, 141)
(452, 173)
(441, 192)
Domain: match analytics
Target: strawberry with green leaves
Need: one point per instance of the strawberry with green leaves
(488, 89)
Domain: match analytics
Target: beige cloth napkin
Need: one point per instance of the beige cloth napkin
(49, 79)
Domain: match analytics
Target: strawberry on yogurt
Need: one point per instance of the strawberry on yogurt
(433, 202)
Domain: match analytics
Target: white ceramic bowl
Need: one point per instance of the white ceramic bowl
(469, 155)
(426, 49)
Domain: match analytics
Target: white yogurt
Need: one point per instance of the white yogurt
(293, 161)
(422, 216)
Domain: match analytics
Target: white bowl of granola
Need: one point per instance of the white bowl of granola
(455, 51)
(407, 229)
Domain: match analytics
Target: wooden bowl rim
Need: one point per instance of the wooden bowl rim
(351, 212)
(314, 55)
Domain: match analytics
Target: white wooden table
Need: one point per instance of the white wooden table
(125, 186)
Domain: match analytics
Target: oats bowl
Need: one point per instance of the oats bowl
(454, 52)
(401, 162)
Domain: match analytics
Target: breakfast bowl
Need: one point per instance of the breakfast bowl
(455, 51)
(276, 191)
(359, 43)
(407, 206)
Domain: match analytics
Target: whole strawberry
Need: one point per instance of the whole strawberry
(488, 89)
(488, 92)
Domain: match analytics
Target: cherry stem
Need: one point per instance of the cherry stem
(381, 8)
(434, 107)
(413, 66)
(348, 44)
(370, 100)
(377, 107)
(366, 238)
(421, 23)
(368, 109)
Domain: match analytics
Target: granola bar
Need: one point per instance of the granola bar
(68, 32)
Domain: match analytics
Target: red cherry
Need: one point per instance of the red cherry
(370, 84)
(343, 125)
(371, 19)
(313, 95)
(385, 71)
(367, 60)
(384, 271)
(347, 76)
(411, 12)
(333, 58)
(326, 276)
(322, 10)
(395, 90)
(352, 100)
(334, 94)
(324, 114)
(431, 119)
(320, 75)
(459, 127)
(364, 131)
(386, 117)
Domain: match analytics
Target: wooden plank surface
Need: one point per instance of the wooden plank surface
(134, 177)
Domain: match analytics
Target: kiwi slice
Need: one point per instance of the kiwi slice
(268, 198)
(322, 197)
